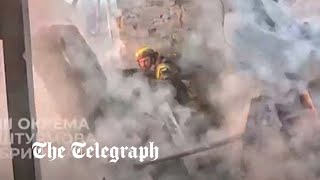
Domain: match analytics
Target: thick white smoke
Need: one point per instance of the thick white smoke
(256, 57)
(263, 48)
(269, 41)
(286, 48)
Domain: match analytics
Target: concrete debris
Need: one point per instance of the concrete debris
(165, 25)
(154, 22)
(279, 114)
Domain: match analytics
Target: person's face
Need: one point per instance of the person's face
(145, 63)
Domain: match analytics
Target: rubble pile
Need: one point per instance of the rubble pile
(165, 25)
(281, 131)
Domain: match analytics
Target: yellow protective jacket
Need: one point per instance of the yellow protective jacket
(166, 70)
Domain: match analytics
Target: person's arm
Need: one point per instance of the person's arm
(129, 72)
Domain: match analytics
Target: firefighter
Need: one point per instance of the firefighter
(150, 60)
(160, 68)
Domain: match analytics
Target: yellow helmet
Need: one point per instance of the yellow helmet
(162, 71)
(143, 52)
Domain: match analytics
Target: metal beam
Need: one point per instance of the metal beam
(19, 82)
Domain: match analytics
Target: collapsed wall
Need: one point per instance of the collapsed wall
(161, 24)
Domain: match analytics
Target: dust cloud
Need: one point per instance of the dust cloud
(270, 41)
(244, 49)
